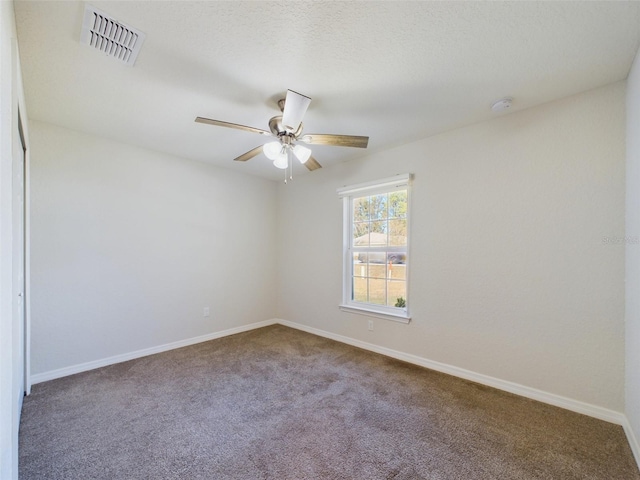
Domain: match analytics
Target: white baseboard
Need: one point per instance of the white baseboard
(557, 400)
(83, 367)
(595, 411)
(633, 440)
(535, 394)
(552, 399)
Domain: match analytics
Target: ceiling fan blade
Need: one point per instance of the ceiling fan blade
(312, 164)
(220, 123)
(295, 106)
(336, 140)
(249, 155)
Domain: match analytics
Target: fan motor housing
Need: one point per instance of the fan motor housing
(279, 130)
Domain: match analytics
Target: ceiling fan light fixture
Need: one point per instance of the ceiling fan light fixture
(302, 153)
(271, 150)
(281, 160)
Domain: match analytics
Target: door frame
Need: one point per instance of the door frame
(26, 301)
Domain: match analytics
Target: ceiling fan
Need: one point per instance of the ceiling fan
(287, 130)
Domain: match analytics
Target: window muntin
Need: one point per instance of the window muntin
(376, 248)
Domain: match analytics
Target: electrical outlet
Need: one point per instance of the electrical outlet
(205, 312)
(371, 325)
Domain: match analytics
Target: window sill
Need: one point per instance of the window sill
(400, 317)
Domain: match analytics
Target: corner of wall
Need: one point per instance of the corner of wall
(632, 260)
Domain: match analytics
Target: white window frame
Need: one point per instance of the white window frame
(348, 193)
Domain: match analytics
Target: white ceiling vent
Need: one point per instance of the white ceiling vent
(109, 36)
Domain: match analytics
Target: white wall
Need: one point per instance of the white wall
(510, 276)
(128, 247)
(632, 311)
(11, 327)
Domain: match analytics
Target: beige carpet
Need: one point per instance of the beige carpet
(277, 403)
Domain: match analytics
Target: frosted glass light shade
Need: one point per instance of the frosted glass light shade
(295, 106)
(302, 153)
(272, 150)
(281, 160)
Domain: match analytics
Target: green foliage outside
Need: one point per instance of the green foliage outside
(383, 213)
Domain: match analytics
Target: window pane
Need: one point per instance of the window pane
(398, 232)
(397, 292)
(378, 206)
(377, 257)
(397, 257)
(361, 209)
(379, 234)
(397, 271)
(378, 291)
(359, 264)
(398, 204)
(360, 234)
(378, 270)
(359, 289)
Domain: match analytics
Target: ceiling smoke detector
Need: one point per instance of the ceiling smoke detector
(110, 36)
(502, 104)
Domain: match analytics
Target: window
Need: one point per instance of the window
(376, 234)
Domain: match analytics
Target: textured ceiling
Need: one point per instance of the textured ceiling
(395, 71)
